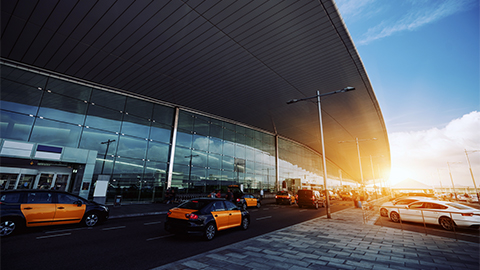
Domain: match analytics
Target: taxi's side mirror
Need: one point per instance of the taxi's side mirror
(78, 203)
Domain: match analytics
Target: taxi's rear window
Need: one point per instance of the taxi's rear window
(194, 204)
(10, 198)
(282, 193)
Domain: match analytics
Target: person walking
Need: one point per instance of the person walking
(229, 195)
(213, 194)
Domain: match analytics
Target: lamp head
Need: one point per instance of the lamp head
(348, 88)
(292, 101)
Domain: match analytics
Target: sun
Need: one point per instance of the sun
(399, 174)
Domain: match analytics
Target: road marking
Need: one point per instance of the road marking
(113, 228)
(160, 237)
(67, 230)
(56, 235)
(303, 210)
(260, 218)
(151, 223)
(266, 209)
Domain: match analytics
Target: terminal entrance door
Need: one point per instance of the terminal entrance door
(19, 178)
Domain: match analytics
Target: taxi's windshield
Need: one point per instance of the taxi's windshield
(194, 204)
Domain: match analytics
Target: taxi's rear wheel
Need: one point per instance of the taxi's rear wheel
(245, 223)
(91, 219)
(210, 231)
(244, 206)
(8, 226)
(258, 204)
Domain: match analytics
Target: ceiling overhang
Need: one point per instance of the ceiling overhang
(241, 60)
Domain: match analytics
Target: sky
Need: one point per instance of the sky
(422, 58)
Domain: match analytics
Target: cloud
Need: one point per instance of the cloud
(423, 155)
(403, 15)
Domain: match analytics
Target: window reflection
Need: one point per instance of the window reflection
(55, 133)
(92, 139)
(158, 151)
(131, 147)
(63, 108)
(135, 126)
(20, 98)
(15, 126)
(103, 118)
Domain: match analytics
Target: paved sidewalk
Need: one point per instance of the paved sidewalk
(342, 242)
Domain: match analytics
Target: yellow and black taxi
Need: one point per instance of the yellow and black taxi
(284, 197)
(247, 200)
(206, 216)
(33, 208)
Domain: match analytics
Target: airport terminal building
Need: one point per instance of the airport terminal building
(133, 97)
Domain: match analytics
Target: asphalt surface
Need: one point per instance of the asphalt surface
(346, 241)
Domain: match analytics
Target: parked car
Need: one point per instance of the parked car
(284, 197)
(446, 214)
(306, 198)
(206, 216)
(33, 208)
(247, 200)
(402, 201)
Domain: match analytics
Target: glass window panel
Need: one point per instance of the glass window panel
(249, 133)
(249, 153)
(229, 176)
(214, 161)
(92, 139)
(200, 142)
(158, 151)
(156, 171)
(250, 166)
(228, 163)
(131, 147)
(185, 121)
(215, 175)
(198, 173)
(216, 131)
(163, 114)
(56, 133)
(109, 100)
(239, 151)
(201, 127)
(135, 126)
(198, 158)
(139, 107)
(19, 98)
(229, 135)
(63, 108)
(22, 76)
(181, 155)
(180, 172)
(128, 166)
(15, 126)
(229, 126)
(184, 138)
(228, 149)
(70, 89)
(103, 118)
(103, 165)
(215, 146)
(160, 132)
(240, 138)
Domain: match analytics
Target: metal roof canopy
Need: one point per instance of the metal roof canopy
(241, 60)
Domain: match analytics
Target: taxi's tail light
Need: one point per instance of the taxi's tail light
(313, 198)
(467, 214)
(238, 199)
(169, 213)
(276, 197)
(191, 216)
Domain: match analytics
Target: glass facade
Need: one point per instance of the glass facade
(133, 139)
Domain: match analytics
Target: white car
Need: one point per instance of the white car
(402, 201)
(446, 214)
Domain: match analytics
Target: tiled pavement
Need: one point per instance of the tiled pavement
(342, 242)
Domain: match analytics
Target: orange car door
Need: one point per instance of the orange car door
(39, 209)
(68, 209)
(234, 216)
(221, 215)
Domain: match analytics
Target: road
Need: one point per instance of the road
(135, 243)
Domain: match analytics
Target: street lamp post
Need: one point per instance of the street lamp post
(359, 157)
(108, 142)
(327, 205)
(471, 172)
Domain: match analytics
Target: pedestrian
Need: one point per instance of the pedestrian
(213, 194)
(261, 193)
(219, 195)
(229, 195)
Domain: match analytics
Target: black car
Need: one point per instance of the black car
(206, 216)
(33, 208)
(307, 198)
